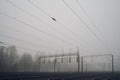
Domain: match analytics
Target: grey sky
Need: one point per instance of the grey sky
(70, 31)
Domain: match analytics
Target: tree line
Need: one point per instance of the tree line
(11, 61)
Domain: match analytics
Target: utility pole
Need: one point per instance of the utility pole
(62, 56)
(54, 64)
(86, 67)
(55, 60)
(82, 64)
(112, 64)
(78, 57)
(39, 64)
(70, 56)
(103, 67)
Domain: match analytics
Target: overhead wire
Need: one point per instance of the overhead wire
(54, 19)
(18, 31)
(89, 18)
(8, 44)
(24, 40)
(21, 40)
(32, 43)
(86, 13)
(28, 41)
(37, 29)
(41, 10)
(82, 20)
(74, 34)
(87, 26)
(49, 16)
(24, 33)
(39, 18)
(65, 25)
(28, 13)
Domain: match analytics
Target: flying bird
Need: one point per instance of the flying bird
(53, 19)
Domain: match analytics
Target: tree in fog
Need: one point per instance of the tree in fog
(3, 59)
(26, 63)
(37, 62)
(12, 58)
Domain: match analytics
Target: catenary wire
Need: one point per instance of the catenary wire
(34, 17)
(82, 21)
(18, 31)
(90, 20)
(54, 19)
(21, 40)
(86, 13)
(38, 38)
(49, 15)
(28, 25)
(8, 44)
(99, 39)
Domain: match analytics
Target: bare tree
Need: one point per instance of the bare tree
(2, 59)
(26, 63)
(12, 58)
(37, 62)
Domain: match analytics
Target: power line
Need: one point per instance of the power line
(51, 17)
(41, 10)
(86, 13)
(33, 16)
(27, 41)
(37, 17)
(19, 39)
(69, 30)
(85, 24)
(54, 19)
(22, 32)
(62, 23)
(82, 21)
(27, 13)
(18, 47)
(36, 50)
(28, 25)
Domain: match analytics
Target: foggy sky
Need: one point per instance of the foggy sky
(105, 14)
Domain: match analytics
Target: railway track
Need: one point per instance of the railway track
(58, 76)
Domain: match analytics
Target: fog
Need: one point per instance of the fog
(53, 27)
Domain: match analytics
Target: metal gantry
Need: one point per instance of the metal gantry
(103, 55)
(79, 59)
